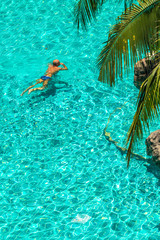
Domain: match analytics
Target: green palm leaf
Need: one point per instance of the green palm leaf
(129, 39)
(85, 10)
(147, 108)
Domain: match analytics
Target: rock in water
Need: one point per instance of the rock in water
(142, 70)
(153, 146)
(144, 67)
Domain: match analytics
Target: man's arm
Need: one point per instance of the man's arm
(65, 68)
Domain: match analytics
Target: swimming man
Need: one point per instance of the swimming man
(52, 69)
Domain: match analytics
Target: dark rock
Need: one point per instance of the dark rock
(143, 68)
(153, 146)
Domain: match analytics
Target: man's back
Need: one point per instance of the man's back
(54, 69)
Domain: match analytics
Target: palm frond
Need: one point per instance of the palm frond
(85, 10)
(147, 108)
(127, 3)
(128, 39)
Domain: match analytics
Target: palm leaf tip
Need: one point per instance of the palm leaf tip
(85, 11)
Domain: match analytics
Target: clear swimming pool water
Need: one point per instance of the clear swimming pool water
(56, 164)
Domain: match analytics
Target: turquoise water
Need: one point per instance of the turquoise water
(56, 165)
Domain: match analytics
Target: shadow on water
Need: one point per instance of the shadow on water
(40, 96)
(151, 166)
(154, 169)
(158, 227)
(50, 91)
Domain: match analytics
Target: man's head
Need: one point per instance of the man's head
(56, 62)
